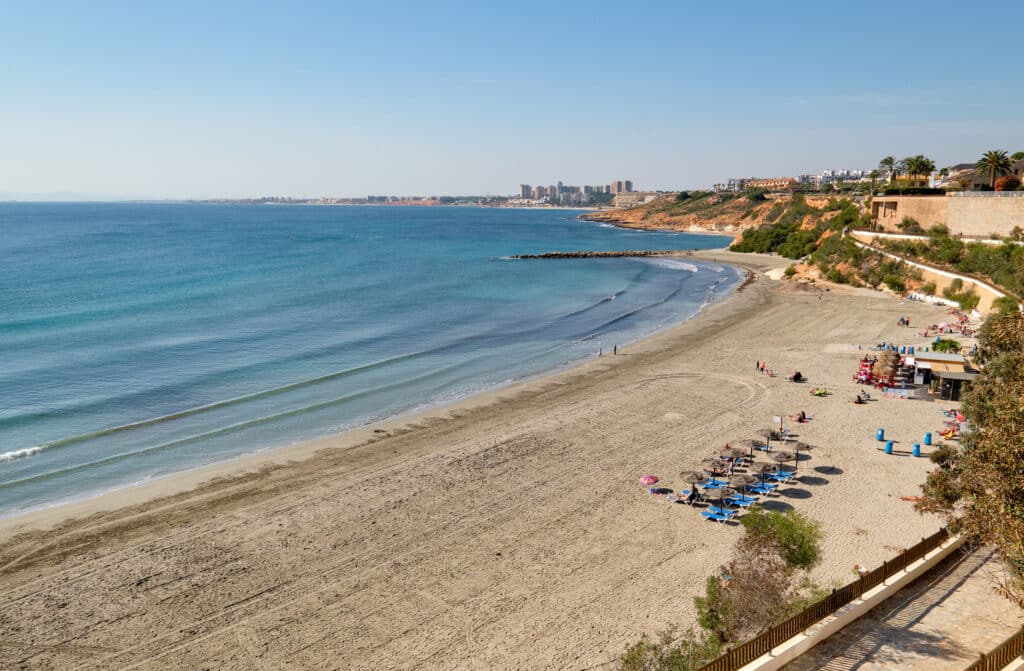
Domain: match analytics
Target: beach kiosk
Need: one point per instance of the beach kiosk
(952, 383)
(927, 364)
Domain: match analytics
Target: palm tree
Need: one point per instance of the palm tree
(874, 174)
(888, 166)
(917, 166)
(996, 163)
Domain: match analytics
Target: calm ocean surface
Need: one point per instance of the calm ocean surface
(138, 340)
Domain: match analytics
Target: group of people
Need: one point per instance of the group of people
(903, 321)
(762, 368)
(861, 398)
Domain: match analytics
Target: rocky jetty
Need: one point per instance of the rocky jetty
(598, 255)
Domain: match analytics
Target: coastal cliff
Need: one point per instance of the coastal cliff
(697, 211)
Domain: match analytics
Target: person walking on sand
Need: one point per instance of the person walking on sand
(615, 350)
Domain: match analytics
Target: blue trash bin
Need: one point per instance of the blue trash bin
(880, 435)
(928, 438)
(888, 447)
(917, 449)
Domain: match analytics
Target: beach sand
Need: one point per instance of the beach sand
(506, 532)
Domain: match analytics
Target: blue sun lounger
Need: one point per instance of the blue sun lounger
(717, 514)
(742, 500)
(762, 488)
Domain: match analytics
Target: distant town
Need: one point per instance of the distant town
(622, 194)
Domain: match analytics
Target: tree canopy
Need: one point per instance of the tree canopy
(979, 484)
(994, 163)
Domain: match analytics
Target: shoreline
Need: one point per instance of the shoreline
(183, 481)
(509, 530)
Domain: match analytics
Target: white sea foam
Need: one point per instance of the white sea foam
(673, 264)
(20, 454)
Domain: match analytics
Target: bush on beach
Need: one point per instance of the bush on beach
(765, 582)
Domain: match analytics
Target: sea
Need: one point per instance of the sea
(138, 340)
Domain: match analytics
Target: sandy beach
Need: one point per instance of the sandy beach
(506, 532)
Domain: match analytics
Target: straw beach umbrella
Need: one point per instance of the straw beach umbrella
(800, 446)
(783, 457)
(713, 465)
(743, 480)
(761, 467)
(692, 477)
(886, 365)
(733, 453)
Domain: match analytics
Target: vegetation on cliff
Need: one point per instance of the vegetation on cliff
(712, 211)
(1001, 265)
(814, 235)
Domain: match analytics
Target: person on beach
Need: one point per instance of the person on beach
(615, 350)
(693, 495)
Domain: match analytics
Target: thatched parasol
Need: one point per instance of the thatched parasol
(783, 457)
(733, 453)
(692, 477)
(713, 465)
(743, 480)
(888, 362)
(719, 494)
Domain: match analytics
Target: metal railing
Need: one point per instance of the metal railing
(1011, 649)
(985, 194)
(782, 632)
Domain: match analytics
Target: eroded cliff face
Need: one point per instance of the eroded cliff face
(712, 213)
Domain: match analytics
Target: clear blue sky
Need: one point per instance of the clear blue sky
(178, 100)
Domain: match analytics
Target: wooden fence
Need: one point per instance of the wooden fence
(1011, 649)
(782, 632)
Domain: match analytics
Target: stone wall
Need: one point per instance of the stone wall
(887, 211)
(981, 216)
(975, 215)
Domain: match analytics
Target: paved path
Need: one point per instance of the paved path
(940, 622)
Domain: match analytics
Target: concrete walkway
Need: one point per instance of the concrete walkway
(942, 621)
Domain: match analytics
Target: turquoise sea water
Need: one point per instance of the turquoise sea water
(138, 340)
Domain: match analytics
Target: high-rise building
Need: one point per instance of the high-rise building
(629, 186)
(525, 191)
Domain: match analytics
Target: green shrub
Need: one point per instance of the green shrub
(928, 288)
(790, 271)
(910, 225)
(946, 345)
(894, 283)
(671, 652)
(1005, 304)
(794, 536)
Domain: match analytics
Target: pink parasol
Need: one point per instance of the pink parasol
(648, 480)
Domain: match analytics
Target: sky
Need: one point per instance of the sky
(206, 100)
